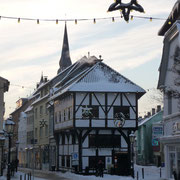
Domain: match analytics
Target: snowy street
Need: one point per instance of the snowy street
(150, 173)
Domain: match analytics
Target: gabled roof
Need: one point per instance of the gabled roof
(174, 30)
(173, 16)
(92, 75)
(149, 118)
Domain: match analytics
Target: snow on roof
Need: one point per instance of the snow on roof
(91, 74)
(147, 119)
(28, 109)
(102, 78)
(40, 99)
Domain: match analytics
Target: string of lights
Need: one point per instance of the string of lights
(21, 86)
(19, 19)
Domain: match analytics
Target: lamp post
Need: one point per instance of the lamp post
(2, 141)
(9, 126)
(132, 138)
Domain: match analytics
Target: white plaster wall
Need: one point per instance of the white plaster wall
(22, 135)
(82, 123)
(80, 97)
(105, 151)
(170, 77)
(85, 162)
(86, 142)
(63, 125)
(60, 106)
(98, 123)
(100, 97)
(123, 142)
(89, 152)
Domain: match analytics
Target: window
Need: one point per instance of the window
(62, 161)
(68, 161)
(64, 115)
(69, 113)
(121, 109)
(41, 110)
(46, 155)
(35, 132)
(59, 116)
(36, 113)
(41, 132)
(93, 161)
(90, 112)
(63, 139)
(55, 117)
(46, 130)
(104, 140)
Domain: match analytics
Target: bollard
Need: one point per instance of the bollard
(160, 172)
(30, 175)
(137, 175)
(24, 176)
(20, 177)
(143, 173)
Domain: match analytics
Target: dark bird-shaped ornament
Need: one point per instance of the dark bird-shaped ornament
(126, 7)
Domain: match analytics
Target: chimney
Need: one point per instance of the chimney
(148, 114)
(37, 85)
(45, 79)
(153, 111)
(158, 108)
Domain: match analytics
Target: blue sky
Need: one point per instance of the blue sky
(27, 49)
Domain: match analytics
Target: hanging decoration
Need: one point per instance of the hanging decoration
(94, 20)
(126, 8)
(86, 111)
(119, 119)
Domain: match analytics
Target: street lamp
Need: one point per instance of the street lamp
(9, 126)
(2, 141)
(132, 139)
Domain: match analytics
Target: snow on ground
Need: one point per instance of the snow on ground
(17, 177)
(150, 173)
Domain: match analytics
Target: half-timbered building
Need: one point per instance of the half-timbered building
(95, 110)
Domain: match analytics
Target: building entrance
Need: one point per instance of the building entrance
(121, 164)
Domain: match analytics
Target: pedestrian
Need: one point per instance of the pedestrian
(12, 167)
(16, 164)
(100, 168)
(175, 175)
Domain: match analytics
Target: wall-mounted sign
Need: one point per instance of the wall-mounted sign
(155, 142)
(75, 156)
(176, 128)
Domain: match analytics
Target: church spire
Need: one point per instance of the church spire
(65, 59)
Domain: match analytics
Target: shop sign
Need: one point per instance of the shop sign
(176, 127)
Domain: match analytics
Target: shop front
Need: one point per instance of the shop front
(172, 156)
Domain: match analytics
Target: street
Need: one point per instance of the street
(150, 173)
